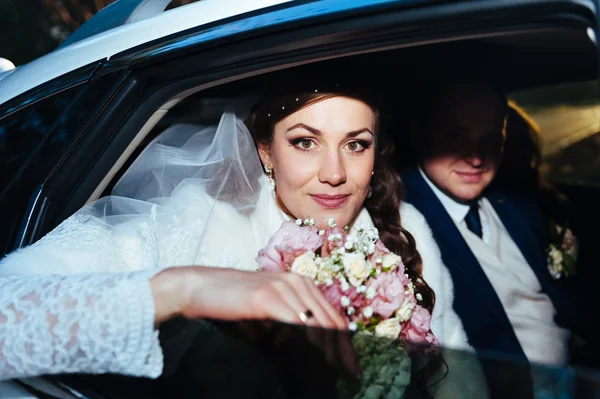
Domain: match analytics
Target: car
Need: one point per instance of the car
(73, 120)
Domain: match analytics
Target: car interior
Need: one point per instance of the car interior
(543, 72)
(551, 74)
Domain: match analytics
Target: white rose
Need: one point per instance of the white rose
(305, 265)
(556, 256)
(555, 271)
(391, 261)
(389, 328)
(405, 310)
(324, 274)
(356, 268)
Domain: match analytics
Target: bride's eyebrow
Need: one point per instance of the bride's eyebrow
(311, 129)
(317, 132)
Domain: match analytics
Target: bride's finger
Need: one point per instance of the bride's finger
(304, 288)
(273, 300)
(289, 295)
(318, 298)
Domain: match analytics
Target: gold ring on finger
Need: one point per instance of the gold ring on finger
(304, 316)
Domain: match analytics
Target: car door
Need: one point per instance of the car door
(36, 131)
(150, 78)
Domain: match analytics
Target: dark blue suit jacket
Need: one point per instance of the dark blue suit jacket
(475, 301)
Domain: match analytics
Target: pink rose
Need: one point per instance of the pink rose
(380, 252)
(270, 259)
(389, 294)
(417, 330)
(286, 244)
(420, 319)
(419, 339)
(380, 247)
(333, 294)
(413, 336)
(432, 339)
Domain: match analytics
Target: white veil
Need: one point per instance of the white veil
(221, 157)
(189, 178)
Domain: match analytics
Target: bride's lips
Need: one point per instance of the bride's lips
(470, 177)
(330, 201)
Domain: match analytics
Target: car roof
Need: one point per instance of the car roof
(90, 45)
(105, 44)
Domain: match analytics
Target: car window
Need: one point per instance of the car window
(23, 135)
(32, 142)
(211, 359)
(23, 132)
(567, 118)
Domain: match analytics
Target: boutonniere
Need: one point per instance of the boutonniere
(562, 251)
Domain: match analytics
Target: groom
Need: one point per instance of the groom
(492, 242)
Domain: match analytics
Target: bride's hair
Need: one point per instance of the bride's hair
(284, 97)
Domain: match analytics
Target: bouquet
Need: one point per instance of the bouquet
(368, 285)
(562, 251)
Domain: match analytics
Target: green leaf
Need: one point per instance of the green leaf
(569, 264)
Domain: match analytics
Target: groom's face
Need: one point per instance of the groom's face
(463, 139)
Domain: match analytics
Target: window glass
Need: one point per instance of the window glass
(22, 133)
(567, 118)
(23, 136)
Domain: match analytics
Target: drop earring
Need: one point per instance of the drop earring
(269, 172)
(370, 192)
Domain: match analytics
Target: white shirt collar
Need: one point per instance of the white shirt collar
(457, 211)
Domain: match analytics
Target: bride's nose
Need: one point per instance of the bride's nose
(331, 169)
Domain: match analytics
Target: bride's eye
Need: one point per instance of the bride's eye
(304, 144)
(357, 146)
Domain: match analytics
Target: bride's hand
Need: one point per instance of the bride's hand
(234, 295)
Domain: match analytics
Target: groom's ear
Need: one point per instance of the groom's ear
(264, 152)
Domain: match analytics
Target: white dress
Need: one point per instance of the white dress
(86, 306)
(79, 300)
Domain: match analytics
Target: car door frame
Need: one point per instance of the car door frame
(204, 59)
(147, 77)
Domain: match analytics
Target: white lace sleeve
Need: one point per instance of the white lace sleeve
(95, 323)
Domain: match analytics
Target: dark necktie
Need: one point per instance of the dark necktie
(473, 221)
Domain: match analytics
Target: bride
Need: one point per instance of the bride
(213, 196)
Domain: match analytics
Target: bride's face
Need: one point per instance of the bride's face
(323, 157)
